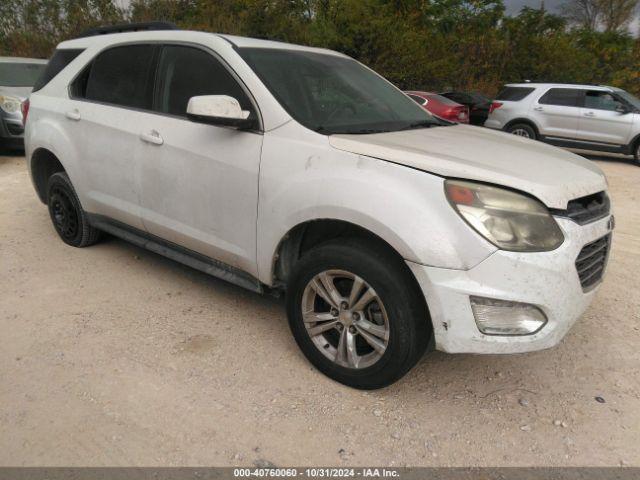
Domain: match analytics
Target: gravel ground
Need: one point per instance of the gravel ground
(112, 355)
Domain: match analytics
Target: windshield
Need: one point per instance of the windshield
(333, 94)
(20, 74)
(632, 99)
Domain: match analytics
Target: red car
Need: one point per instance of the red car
(441, 106)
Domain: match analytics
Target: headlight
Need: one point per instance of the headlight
(511, 221)
(10, 104)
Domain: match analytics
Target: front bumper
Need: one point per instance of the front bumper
(11, 129)
(548, 280)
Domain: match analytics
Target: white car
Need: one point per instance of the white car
(17, 77)
(587, 117)
(283, 168)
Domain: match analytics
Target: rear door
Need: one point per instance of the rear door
(599, 120)
(199, 182)
(109, 101)
(557, 112)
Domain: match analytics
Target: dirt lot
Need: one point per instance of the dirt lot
(112, 355)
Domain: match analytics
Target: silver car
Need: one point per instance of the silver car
(17, 78)
(588, 117)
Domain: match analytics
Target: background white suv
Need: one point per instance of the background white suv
(589, 117)
(283, 168)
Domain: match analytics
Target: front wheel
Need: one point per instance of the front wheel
(522, 130)
(357, 313)
(636, 154)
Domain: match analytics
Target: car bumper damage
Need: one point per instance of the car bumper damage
(522, 301)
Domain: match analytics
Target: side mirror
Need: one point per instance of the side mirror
(622, 109)
(219, 110)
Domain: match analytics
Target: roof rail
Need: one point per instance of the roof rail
(128, 27)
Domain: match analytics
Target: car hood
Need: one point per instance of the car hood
(21, 92)
(552, 175)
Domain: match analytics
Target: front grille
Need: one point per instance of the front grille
(592, 261)
(587, 209)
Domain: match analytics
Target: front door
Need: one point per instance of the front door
(199, 182)
(601, 122)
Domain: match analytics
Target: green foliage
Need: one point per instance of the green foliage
(417, 44)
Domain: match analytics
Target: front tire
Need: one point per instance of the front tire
(68, 217)
(522, 130)
(636, 154)
(357, 313)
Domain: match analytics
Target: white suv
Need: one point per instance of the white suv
(283, 168)
(587, 117)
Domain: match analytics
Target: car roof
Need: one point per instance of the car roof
(559, 85)
(187, 36)
(21, 60)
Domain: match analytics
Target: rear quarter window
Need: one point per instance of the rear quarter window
(59, 60)
(514, 94)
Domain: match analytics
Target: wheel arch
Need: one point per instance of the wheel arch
(42, 165)
(308, 234)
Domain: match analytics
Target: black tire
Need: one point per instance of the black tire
(636, 154)
(523, 130)
(408, 317)
(69, 219)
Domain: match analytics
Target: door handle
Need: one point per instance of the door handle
(73, 114)
(589, 114)
(538, 109)
(152, 137)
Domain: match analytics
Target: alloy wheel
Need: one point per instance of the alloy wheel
(345, 319)
(521, 132)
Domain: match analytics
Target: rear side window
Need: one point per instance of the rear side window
(185, 72)
(417, 99)
(514, 94)
(565, 97)
(59, 60)
(120, 76)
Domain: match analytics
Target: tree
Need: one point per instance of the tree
(608, 15)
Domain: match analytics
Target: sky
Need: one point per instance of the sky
(514, 6)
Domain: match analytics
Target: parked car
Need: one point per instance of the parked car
(284, 168)
(478, 104)
(441, 106)
(588, 117)
(17, 77)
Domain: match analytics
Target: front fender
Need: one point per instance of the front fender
(307, 179)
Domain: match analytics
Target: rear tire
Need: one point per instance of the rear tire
(522, 130)
(388, 312)
(68, 217)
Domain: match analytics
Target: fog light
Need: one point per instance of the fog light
(499, 317)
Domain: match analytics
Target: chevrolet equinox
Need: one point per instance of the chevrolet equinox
(283, 168)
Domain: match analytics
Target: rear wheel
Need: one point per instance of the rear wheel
(67, 215)
(636, 154)
(357, 314)
(522, 130)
